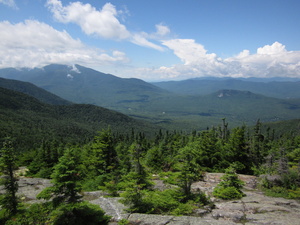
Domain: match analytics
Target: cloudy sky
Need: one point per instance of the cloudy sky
(155, 39)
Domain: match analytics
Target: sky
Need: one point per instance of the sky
(155, 40)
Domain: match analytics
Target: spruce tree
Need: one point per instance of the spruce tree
(66, 179)
(189, 169)
(9, 201)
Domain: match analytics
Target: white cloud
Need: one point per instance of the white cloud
(269, 61)
(275, 48)
(103, 23)
(35, 44)
(162, 30)
(10, 3)
(189, 51)
(141, 40)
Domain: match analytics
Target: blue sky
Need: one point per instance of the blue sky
(155, 40)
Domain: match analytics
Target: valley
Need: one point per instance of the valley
(183, 105)
(124, 151)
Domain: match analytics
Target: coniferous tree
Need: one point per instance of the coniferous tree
(189, 169)
(230, 185)
(237, 150)
(66, 179)
(8, 164)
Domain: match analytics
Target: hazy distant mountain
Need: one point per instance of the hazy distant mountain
(32, 90)
(185, 105)
(237, 106)
(277, 88)
(83, 85)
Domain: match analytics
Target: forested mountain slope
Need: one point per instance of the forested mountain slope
(84, 85)
(238, 107)
(32, 90)
(268, 87)
(31, 121)
(185, 110)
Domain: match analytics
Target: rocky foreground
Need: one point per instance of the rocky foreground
(254, 208)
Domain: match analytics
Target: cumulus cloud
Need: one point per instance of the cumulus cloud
(141, 40)
(162, 30)
(275, 48)
(269, 61)
(103, 23)
(35, 44)
(10, 3)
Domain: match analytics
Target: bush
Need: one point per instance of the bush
(294, 194)
(160, 202)
(230, 186)
(35, 214)
(184, 209)
(227, 193)
(71, 214)
(169, 201)
(276, 191)
(79, 213)
(124, 222)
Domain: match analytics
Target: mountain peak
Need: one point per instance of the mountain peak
(228, 93)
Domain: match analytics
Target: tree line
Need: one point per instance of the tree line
(127, 165)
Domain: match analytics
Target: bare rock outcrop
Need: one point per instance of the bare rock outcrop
(253, 209)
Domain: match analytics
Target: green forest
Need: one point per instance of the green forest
(83, 148)
(126, 166)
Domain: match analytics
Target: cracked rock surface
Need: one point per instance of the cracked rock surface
(253, 209)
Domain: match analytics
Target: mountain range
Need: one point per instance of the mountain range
(273, 87)
(185, 105)
(31, 121)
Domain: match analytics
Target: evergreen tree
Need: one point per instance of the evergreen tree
(237, 150)
(8, 164)
(189, 169)
(256, 145)
(230, 185)
(103, 153)
(209, 148)
(66, 179)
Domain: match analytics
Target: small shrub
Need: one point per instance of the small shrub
(227, 193)
(294, 194)
(184, 209)
(79, 213)
(123, 222)
(276, 191)
(230, 186)
(162, 202)
(35, 214)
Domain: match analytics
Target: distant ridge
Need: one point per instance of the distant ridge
(179, 105)
(84, 85)
(23, 114)
(32, 90)
(273, 87)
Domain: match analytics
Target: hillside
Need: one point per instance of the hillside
(21, 114)
(32, 90)
(188, 109)
(84, 85)
(281, 128)
(269, 87)
(238, 107)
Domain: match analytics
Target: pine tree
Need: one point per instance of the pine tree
(230, 185)
(236, 150)
(66, 179)
(8, 164)
(189, 169)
